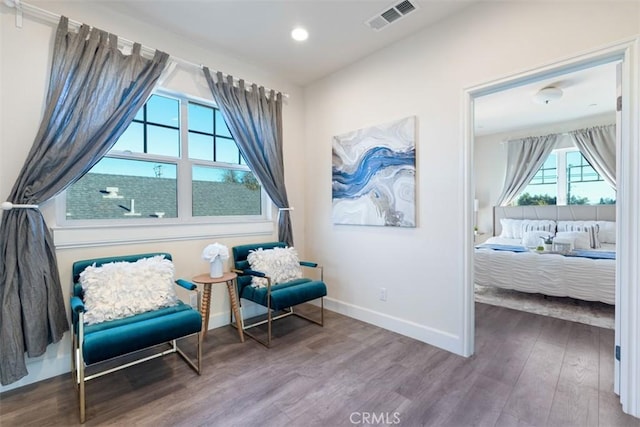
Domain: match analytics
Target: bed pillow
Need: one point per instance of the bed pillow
(586, 226)
(538, 225)
(509, 227)
(607, 231)
(122, 289)
(280, 264)
(579, 239)
(532, 239)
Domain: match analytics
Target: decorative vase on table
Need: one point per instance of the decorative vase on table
(215, 253)
(215, 268)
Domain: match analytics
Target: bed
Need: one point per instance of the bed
(505, 261)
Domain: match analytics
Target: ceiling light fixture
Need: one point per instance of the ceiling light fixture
(299, 34)
(547, 95)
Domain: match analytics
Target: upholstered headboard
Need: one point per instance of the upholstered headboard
(557, 213)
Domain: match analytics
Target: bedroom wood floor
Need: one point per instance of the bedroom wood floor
(528, 370)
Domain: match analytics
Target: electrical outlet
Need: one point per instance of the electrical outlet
(383, 294)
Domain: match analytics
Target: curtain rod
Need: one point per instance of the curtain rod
(51, 17)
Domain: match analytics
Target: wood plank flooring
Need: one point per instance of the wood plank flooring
(528, 370)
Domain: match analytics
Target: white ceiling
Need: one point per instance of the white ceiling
(586, 93)
(258, 31)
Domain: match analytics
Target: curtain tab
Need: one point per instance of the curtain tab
(113, 41)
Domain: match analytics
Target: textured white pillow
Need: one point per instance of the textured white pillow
(122, 289)
(606, 231)
(590, 227)
(580, 238)
(280, 264)
(511, 228)
(538, 225)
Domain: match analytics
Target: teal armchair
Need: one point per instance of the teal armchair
(96, 343)
(276, 297)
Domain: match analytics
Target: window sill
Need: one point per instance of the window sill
(113, 235)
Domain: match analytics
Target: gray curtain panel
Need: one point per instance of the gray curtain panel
(524, 157)
(255, 121)
(94, 93)
(598, 146)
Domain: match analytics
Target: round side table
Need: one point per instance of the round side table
(205, 305)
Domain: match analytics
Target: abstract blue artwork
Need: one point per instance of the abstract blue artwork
(374, 175)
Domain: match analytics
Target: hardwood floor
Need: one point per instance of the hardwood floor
(528, 370)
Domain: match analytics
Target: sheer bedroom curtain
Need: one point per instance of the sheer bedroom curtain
(94, 93)
(524, 157)
(598, 146)
(255, 121)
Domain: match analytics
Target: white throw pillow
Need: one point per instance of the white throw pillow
(580, 239)
(280, 264)
(533, 239)
(122, 289)
(607, 231)
(511, 228)
(587, 226)
(538, 225)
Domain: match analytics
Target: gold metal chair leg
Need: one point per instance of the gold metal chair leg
(81, 385)
(270, 320)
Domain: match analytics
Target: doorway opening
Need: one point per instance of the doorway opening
(625, 199)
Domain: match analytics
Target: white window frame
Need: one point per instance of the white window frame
(561, 170)
(73, 233)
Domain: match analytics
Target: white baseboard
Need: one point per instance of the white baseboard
(248, 310)
(435, 337)
(42, 368)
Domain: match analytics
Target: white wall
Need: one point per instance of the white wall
(425, 75)
(490, 160)
(24, 67)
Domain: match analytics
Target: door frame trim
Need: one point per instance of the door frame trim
(627, 197)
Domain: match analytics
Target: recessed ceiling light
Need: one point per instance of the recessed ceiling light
(299, 34)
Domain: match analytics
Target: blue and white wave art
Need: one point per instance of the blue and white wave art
(373, 175)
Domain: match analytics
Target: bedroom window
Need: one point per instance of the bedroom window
(567, 178)
(543, 187)
(176, 160)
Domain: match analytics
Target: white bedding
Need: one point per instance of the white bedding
(549, 274)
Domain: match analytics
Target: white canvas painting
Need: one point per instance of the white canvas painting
(374, 175)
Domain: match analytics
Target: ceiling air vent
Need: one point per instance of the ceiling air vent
(391, 14)
(405, 7)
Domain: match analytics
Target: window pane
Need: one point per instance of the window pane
(543, 194)
(164, 111)
(227, 151)
(124, 189)
(590, 193)
(200, 118)
(574, 158)
(131, 140)
(200, 146)
(163, 141)
(551, 162)
(219, 191)
(584, 185)
(140, 114)
(221, 126)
